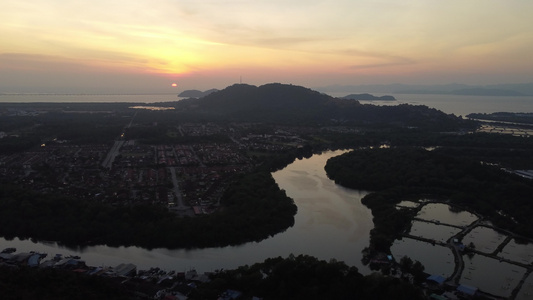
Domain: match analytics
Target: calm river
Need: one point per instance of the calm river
(331, 223)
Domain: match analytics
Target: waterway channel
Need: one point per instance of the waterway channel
(500, 266)
(331, 223)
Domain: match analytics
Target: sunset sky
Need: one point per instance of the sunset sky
(145, 46)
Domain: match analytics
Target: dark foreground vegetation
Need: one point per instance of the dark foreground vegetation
(412, 173)
(31, 283)
(295, 277)
(305, 277)
(254, 209)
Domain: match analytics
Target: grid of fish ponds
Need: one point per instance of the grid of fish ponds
(489, 274)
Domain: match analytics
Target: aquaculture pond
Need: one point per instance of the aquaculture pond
(446, 214)
(526, 292)
(433, 231)
(437, 260)
(514, 251)
(491, 276)
(484, 239)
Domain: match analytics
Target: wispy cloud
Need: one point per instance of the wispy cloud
(194, 36)
(372, 59)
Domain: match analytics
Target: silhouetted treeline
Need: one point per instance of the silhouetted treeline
(53, 284)
(507, 150)
(522, 117)
(9, 145)
(300, 277)
(396, 174)
(254, 208)
(77, 128)
(274, 161)
(305, 277)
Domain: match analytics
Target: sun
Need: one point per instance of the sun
(174, 85)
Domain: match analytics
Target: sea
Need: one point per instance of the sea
(88, 98)
(458, 105)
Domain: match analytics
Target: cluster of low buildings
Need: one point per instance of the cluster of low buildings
(68, 169)
(506, 129)
(202, 129)
(145, 284)
(438, 283)
(190, 177)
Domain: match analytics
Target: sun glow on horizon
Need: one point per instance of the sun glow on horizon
(207, 41)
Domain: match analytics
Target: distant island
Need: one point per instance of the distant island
(196, 93)
(369, 97)
(523, 89)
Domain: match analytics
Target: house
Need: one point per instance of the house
(467, 290)
(435, 279)
(126, 270)
(34, 260)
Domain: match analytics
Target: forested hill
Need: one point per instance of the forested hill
(271, 102)
(284, 103)
(196, 93)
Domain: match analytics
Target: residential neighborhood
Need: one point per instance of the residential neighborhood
(188, 178)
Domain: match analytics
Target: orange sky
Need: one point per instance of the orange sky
(144, 46)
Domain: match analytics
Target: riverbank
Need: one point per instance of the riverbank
(154, 283)
(401, 174)
(330, 223)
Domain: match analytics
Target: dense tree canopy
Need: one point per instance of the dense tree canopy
(410, 172)
(306, 277)
(254, 209)
(54, 284)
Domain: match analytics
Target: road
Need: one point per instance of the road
(108, 161)
(180, 205)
